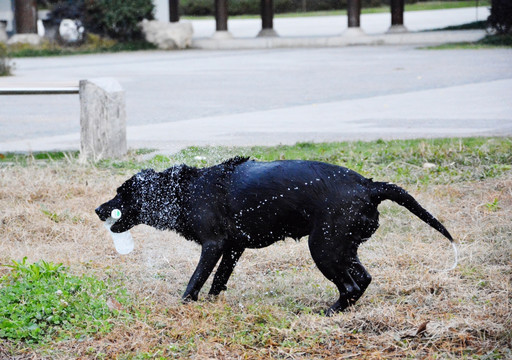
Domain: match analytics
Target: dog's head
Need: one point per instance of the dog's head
(132, 199)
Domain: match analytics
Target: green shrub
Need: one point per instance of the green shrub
(118, 19)
(241, 7)
(42, 301)
(499, 40)
(501, 16)
(5, 61)
(196, 7)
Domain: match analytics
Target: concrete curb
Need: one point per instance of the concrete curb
(429, 38)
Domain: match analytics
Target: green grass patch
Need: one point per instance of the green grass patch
(475, 25)
(432, 161)
(488, 42)
(420, 161)
(94, 44)
(43, 301)
(440, 5)
(497, 41)
(27, 158)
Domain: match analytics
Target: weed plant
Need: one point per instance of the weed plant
(42, 301)
(5, 61)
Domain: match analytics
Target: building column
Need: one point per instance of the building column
(26, 16)
(267, 19)
(354, 18)
(397, 17)
(174, 15)
(221, 20)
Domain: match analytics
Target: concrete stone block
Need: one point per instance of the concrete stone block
(31, 39)
(222, 35)
(168, 36)
(267, 33)
(397, 29)
(102, 119)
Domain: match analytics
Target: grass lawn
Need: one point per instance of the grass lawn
(488, 42)
(272, 308)
(91, 47)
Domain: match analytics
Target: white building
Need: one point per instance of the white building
(7, 15)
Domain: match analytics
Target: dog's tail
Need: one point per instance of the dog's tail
(385, 191)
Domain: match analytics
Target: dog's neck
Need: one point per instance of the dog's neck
(161, 205)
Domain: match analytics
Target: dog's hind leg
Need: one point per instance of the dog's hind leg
(229, 259)
(210, 254)
(361, 277)
(334, 257)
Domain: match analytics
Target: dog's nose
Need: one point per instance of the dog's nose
(99, 212)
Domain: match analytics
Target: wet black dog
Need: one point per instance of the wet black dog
(243, 204)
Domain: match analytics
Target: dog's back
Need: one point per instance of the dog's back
(273, 200)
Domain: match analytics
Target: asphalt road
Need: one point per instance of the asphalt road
(272, 96)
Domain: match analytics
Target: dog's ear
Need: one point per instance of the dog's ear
(179, 174)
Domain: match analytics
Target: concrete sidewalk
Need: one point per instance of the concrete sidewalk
(331, 31)
(318, 26)
(422, 114)
(408, 38)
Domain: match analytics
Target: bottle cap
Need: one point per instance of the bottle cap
(116, 214)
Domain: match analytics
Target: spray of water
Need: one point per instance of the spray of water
(455, 261)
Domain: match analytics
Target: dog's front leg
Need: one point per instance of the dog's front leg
(210, 254)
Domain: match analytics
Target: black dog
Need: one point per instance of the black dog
(243, 204)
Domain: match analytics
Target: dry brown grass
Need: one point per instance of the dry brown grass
(275, 294)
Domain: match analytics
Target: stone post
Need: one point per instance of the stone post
(102, 119)
(174, 15)
(354, 13)
(221, 20)
(397, 17)
(354, 18)
(267, 17)
(221, 15)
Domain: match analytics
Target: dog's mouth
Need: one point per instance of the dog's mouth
(119, 226)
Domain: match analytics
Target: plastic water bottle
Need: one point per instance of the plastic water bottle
(123, 242)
